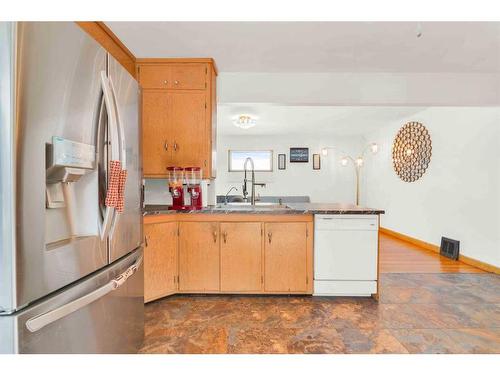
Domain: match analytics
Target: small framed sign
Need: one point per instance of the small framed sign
(299, 155)
(316, 161)
(281, 161)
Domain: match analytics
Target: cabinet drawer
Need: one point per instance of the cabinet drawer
(154, 76)
(346, 222)
(188, 76)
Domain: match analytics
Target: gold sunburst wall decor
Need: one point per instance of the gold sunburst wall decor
(411, 151)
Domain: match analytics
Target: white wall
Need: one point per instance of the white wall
(333, 183)
(459, 195)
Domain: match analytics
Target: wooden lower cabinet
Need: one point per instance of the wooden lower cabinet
(241, 257)
(160, 260)
(286, 257)
(199, 257)
(212, 255)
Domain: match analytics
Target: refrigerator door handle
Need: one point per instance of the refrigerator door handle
(38, 322)
(119, 128)
(113, 128)
(120, 138)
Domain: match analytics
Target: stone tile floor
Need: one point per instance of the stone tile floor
(417, 313)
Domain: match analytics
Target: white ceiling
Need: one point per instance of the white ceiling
(310, 120)
(321, 46)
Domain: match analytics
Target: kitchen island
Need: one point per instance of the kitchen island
(237, 248)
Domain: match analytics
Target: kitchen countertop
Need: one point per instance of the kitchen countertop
(288, 209)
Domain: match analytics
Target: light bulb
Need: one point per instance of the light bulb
(324, 151)
(359, 162)
(374, 148)
(343, 161)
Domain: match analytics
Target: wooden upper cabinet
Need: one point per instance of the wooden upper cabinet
(199, 257)
(155, 76)
(187, 119)
(286, 257)
(241, 257)
(157, 139)
(160, 260)
(189, 76)
(179, 114)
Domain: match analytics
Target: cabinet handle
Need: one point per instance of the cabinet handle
(225, 236)
(215, 236)
(175, 146)
(166, 146)
(269, 236)
(146, 241)
(176, 82)
(165, 82)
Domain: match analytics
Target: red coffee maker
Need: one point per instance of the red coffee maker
(193, 180)
(175, 176)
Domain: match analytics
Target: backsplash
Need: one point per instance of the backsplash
(156, 192)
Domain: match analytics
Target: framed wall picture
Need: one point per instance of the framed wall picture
(316, 161)
(281, 161)
(299, 155)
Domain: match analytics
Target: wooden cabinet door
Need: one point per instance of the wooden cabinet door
(157, 142)
(187, 121)
(285, 257)
(188, 76)
(199, 256)
(160, 260)
(154, 76)
(241, 257)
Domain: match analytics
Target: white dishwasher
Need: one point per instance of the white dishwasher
(345, 255)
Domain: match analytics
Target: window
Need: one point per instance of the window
(263, 160)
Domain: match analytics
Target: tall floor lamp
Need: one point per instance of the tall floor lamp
(356, 162)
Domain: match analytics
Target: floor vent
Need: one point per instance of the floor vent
(450, 248)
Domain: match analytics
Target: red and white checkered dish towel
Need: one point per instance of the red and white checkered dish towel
(115, 196)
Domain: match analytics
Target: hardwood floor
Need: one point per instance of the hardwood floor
(397, 256)
(427, 304)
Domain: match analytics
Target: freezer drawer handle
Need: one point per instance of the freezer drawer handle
(38, 322)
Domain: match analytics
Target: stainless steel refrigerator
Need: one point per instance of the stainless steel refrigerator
(71, 276)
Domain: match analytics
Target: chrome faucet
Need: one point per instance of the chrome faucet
(245, 180)
(230, 190)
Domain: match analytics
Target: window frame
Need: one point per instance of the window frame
(229, 163)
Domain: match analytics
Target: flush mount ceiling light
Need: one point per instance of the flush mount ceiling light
(244, 122)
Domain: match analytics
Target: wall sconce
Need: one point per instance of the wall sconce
(358, 162)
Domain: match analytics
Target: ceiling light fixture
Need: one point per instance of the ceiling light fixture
(245, 122)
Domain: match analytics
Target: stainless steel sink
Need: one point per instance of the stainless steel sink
(247, 206)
